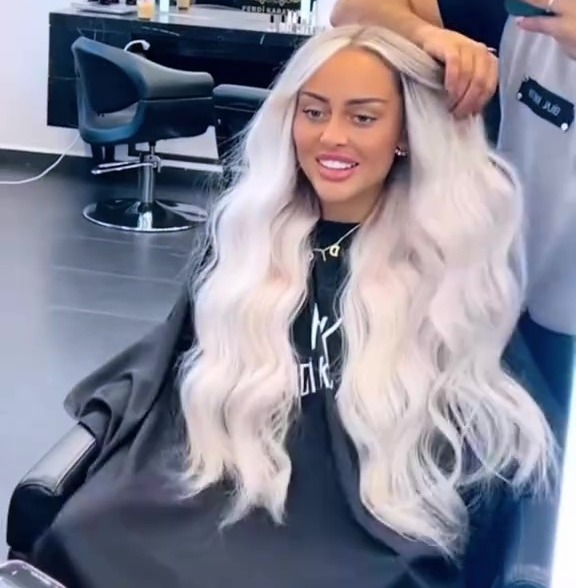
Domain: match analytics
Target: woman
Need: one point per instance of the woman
(343, 407)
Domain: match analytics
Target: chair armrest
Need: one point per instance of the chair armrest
(234, 107)
(529, 556)
(242, 98)
(42, 492)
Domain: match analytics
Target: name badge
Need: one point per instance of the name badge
(546, 104)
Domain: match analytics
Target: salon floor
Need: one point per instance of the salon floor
(72, 294)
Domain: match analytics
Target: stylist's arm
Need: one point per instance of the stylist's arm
(471, 68)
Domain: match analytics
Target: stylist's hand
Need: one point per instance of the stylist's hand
(471, 68)
(561, 26)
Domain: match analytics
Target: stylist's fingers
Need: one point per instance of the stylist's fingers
(482, 84)
(471, 69)
(453, 70)
(467, 70)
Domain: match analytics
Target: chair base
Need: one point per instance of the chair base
(159, 216)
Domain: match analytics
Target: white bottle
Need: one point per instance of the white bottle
(164, 6)
(305, 11)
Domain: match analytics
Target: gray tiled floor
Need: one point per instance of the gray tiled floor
(71, 295)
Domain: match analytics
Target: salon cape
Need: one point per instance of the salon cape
(115, 403)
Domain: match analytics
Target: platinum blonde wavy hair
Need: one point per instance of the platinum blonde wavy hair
(434, 291)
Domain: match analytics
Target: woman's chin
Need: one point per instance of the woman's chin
(335, 193)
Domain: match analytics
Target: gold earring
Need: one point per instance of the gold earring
(399, 152)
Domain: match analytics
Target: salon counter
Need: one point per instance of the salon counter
(235, 47)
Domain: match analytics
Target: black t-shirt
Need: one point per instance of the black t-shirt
(481, 20)
(126, 527)
(317, 332)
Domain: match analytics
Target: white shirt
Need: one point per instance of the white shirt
(538, 136)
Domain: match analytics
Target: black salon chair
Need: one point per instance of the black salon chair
(125, 99)
(234, 108)
(511, 556)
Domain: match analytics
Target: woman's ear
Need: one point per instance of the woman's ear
(402, 149)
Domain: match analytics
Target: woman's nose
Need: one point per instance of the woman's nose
(335, 132)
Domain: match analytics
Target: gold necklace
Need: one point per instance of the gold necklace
(334, 249)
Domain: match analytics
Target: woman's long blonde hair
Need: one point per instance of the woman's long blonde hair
(433, 294)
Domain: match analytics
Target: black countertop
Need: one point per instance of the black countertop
(202, 23)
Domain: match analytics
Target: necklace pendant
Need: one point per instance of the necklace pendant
(334, 250)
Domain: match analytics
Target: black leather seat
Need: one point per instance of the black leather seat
(510, 557)
(125, 99)
(234, 106)
(46, 487)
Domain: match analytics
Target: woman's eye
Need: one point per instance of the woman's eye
(313, 113)
(364, 119)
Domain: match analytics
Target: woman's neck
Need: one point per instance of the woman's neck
(343, 214)
(351, 211)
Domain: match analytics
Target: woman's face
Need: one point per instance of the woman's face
(347, 126)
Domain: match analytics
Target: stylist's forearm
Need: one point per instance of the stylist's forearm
(405, 17)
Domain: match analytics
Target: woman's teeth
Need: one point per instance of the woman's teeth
(336, 164)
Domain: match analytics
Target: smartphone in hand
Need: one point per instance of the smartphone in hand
(519, 8)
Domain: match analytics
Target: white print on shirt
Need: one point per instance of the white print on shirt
(315, 372)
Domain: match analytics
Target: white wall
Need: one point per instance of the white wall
(24, 85)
